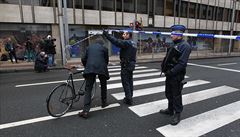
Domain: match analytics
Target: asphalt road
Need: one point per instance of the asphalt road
(211, 104)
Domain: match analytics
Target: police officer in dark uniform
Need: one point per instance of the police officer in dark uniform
(128, 52)
(95, 62)
(175, 74)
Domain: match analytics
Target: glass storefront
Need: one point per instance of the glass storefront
(19, 33)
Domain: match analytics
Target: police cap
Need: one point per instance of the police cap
(178, 28)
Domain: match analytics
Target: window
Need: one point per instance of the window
(159, 6)
(176, 8)
(69, 3)
(169, 8)
(129, 6)
(9, 1)
(40, 2)
(108, 5)
(91, 4)
(203, 12)
(225, 15)
(78, 4)
(219, 15)
(184, 9)
(210, 12)
(142, 6)
(119, 5)
(230, 15)
(192, 10)
(26, 2)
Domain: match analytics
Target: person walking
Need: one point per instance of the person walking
(95, 62)
(174, 66)
(128, 50)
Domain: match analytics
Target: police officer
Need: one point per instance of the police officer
(128, 52)
(175, 75)
(95, 62)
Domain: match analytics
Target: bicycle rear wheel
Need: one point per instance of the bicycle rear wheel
(60, 100)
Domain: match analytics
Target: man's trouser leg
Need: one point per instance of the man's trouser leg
(90, 79)
(168, 93)
(125, 82)
(177, 94)
(103, 82)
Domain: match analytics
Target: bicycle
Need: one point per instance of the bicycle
(62, 97)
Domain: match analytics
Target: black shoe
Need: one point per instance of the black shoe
(104, 103)
(128, 101)
(176, 119)
(166, 112)
(83, 114)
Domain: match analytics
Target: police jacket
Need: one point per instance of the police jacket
(185, 50)
(128, 50)
(95, 60)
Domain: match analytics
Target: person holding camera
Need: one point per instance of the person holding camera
(50, 50)
(128, 50)
(174, 66)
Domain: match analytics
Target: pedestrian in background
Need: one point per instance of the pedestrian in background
(50, 50)
(174, 67)
(95, 62)
(10, 48)
(29, 50)
(128, 50)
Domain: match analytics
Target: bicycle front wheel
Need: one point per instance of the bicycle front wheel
(60, 100)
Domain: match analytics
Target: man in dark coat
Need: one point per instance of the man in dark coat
(95, 62)
(175, 70)
(128, 50)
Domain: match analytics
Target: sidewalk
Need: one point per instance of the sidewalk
(7, 66)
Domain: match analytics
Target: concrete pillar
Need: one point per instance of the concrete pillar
(217, 43)
(56, 34)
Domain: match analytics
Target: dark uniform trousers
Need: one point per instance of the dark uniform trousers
(127, 81)
(90, 79)
(173, 92)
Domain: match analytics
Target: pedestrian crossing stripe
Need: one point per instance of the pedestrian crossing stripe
(154, 107)
(117, 69)
(158, 89)
(136, 71)
(135, 76)
(203, 123)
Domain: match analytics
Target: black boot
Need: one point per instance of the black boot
(176, 119)
(166, 112)
(104, 103)
(128, 101)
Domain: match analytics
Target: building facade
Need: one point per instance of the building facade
(35, 19)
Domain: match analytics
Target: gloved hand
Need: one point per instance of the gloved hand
(169, 73)
(105, 33)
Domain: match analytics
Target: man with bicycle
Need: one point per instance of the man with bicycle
(95, 62)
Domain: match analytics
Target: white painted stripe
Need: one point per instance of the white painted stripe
(135, 76)
(46, 118)
(205, 66)
(117, 69)
(139, 82)
(225, 64)
(159, 89)
(45, 83)
(203, 123)
(136, 71)
(154, 107)
(62, 81)
(109, 67)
